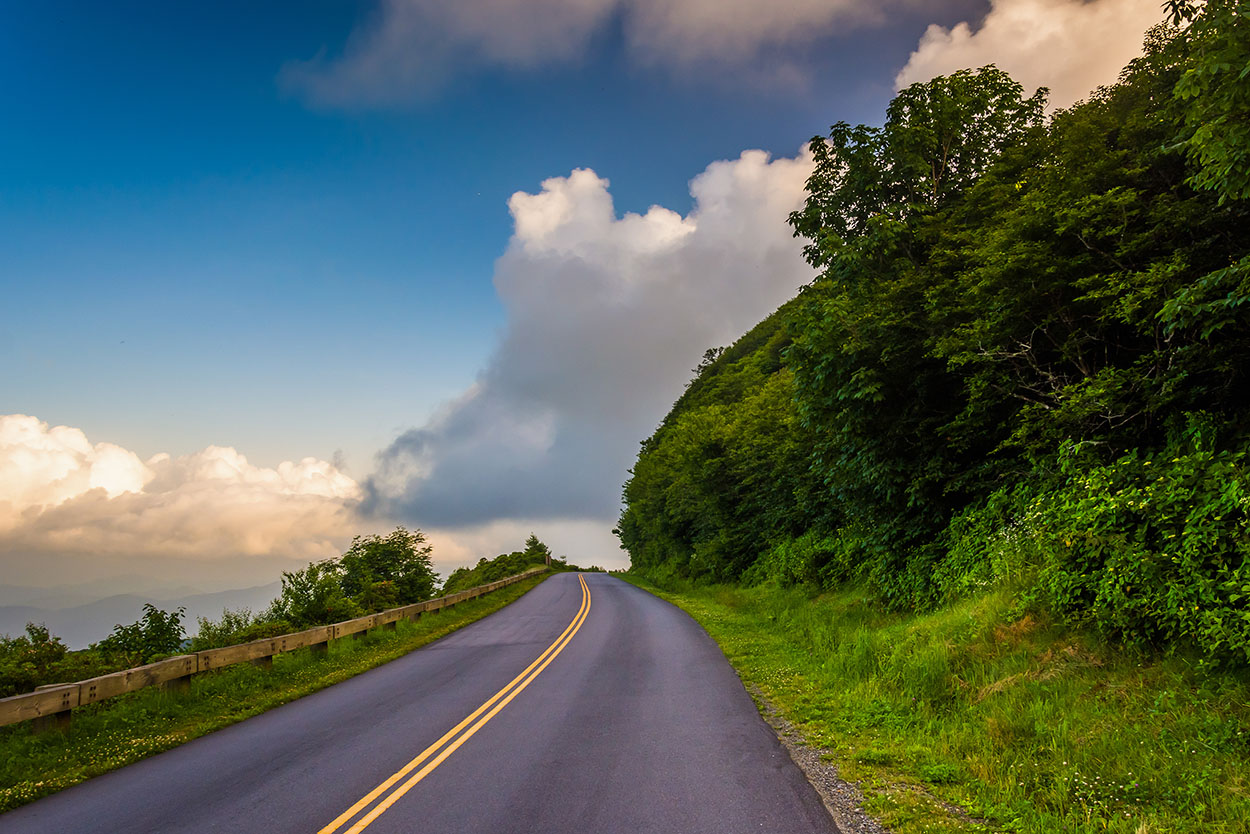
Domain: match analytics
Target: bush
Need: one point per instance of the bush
(1153, 549)
(156, 634)
(236, 627)
(502, 566)
(27, 660)
(314, 596)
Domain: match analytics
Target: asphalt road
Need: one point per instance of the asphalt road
(613, 712)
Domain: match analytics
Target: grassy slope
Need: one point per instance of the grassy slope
(975, 718)
(125, 729)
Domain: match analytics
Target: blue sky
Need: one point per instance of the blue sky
(200, 257)
(200, 246)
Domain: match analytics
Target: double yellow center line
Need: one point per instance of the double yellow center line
(453, 738)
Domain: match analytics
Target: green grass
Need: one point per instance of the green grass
(979, 717)
(123, 730)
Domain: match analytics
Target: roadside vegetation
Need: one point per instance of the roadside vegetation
(128, 728)
(375, 573)
(507, 564)
(986, 478)
(976, 717)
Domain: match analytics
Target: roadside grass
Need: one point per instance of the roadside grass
(128, 728)
(979, 717)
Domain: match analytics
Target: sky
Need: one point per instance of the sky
(277, 274)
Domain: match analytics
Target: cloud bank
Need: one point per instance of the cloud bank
(1070, 46)
(606, 317)
(409, 47)
(60, 493)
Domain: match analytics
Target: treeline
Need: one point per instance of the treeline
(1024, 358)
(375, 573)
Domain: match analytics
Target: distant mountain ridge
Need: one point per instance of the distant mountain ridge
(79, 625)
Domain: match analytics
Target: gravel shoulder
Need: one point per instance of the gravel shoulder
(842, 799)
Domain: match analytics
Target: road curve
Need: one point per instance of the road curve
(612, 711)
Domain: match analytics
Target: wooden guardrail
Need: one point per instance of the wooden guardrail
(51, 705)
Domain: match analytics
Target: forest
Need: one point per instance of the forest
(1023, 362)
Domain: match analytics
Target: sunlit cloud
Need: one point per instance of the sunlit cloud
(606, 317)
(60, 492)
(1070, 46)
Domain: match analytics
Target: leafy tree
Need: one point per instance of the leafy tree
(314, 596)
(727, 471)
(381, 572)
(27, 660)
(535, 551)
(1216, 89)
(939, 137)
(156, 634)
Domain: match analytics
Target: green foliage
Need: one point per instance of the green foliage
(314, 596)
(725, 476)
(996, 291)
(375, 573)
(977, 717)
(502, 566)
(1216, 90)
(1153, 549)
(236, 627)
(156, 634)
(27, 660)
(386, 572)
(938, 138)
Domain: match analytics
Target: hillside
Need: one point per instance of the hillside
(1028, 363)
(80, 625)
(998, 446)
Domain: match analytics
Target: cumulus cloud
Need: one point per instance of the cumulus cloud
(1070, 46)
(408, 47)
(606, 317)
(61, 493)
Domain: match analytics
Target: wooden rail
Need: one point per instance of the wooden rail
(50, 705)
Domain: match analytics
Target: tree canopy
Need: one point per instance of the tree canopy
(1016, 321)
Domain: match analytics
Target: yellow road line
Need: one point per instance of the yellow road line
(510, 691)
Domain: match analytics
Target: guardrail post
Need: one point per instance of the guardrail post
(176, 685)
(54, 721)
(320, 649)
(389, 626)
(263, 662)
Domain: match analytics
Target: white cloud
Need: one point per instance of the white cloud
(60, 493)
(74, 512)
(1070, 46)
(408, 48)
(606, 317)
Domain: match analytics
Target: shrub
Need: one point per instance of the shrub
(156, 634)
(236, 627)
(1153, 549)
(27, 660)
